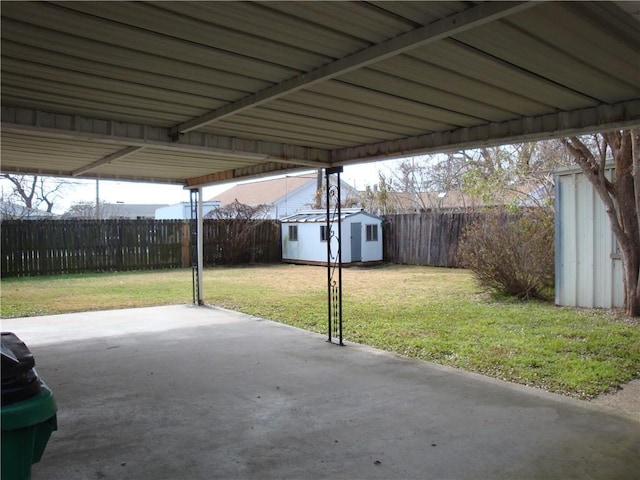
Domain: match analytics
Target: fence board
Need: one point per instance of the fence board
(425, 238)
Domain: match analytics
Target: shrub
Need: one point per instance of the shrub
(512, 254)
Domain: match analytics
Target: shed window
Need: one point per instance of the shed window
(323, 233)
(293, 233)
(372, 233)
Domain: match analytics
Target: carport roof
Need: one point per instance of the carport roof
(196, 93)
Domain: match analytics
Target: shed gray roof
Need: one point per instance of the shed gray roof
(196, 93)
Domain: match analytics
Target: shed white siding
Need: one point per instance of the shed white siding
(588, 266)
(310, 247)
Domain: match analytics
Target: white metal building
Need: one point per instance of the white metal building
(304, 237)
(588, 261)
(182, 210)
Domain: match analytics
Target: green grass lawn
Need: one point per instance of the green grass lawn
(435, 314)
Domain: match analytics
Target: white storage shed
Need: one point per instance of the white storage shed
(304, 237)
(588, 260)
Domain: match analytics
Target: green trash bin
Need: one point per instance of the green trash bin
(28, 410)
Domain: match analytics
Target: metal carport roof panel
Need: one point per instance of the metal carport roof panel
(204, 92)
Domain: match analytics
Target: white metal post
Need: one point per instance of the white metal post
(200, 246)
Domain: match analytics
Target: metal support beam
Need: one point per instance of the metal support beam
(108, 159)
(524, 129)
(197, 244)
(446, 27)
(255, 171)
(25, 121)
(334, 256)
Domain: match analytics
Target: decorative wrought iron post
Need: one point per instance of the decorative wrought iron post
(334, 256)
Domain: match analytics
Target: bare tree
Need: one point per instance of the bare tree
(87, 210)
(620, 195)
(349, 197)
(405, 185)
(34, 192)
(237, 223)
(520, 173)
(378, 199)
(238, 211)
(516, 174)
(318, 196)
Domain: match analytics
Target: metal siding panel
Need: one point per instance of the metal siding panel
(585, 221)
(421, 12)
(325, 112)
(248, 44)
(270, 133)
(528, 92)
(342, 104)
(110, 103)
(512, 99)
(615, 273)
(547, 61)
(54, 102)
(617, 294)
(602, 257)
(357, 19)
(267, 22)
(84, 26)
(74, 81)
(286, 122)
(569, 241)
(559, 273)
(445, 119)
(579, 40)
(586, 276)
(432, 92)
(57, 48)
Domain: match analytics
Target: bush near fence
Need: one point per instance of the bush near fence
(49, 247)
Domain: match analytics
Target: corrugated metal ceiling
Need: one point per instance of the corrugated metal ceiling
(204, 92)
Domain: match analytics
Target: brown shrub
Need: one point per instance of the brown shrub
(512, 254)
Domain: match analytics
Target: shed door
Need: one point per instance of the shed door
(356, 242)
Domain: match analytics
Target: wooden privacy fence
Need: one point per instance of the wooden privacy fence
(425, 238)
(48, 247)
(45, 247)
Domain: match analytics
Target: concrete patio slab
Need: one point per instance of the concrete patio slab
(184, 392)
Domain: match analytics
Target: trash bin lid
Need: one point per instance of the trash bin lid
(19, 378)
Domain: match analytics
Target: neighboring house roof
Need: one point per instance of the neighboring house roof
(320, 216)
(285, 195)
(10, 210)
(264, 192)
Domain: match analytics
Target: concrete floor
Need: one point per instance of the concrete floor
(183, 392)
